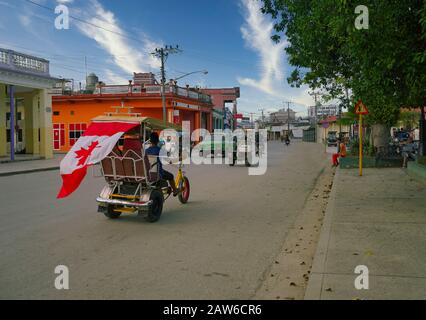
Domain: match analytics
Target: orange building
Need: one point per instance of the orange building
(72, 113)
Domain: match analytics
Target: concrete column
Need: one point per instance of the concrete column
(12, 121)
(197, 123)
(35, 122)
(46, 127)
(3, 150)
(29, 123)
(210, 122)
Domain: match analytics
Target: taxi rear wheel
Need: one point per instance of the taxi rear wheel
(156, 207)
(110, 213)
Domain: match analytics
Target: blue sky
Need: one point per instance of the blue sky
(229, 38)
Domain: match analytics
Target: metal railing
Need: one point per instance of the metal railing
(153, 89)
(16, 61)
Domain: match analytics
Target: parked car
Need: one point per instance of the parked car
(216, 145)
(332, 139)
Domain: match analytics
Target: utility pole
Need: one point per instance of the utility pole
(315, 95)
(162, 54)
(288, 117)
(251, 117)
(263, 117)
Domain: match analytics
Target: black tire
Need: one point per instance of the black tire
(184, 195)
(110, 213)
(156, 208)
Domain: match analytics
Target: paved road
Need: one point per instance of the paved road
(218, 246)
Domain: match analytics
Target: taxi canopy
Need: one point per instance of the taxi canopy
(151, 123)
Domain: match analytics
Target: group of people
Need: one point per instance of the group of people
(408, 141)
(401, 135)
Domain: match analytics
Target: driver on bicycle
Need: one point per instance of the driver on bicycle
(154, 150)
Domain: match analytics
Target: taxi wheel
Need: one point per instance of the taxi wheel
(248, 164)
(111, 214)
(156, 208)
(234, 159)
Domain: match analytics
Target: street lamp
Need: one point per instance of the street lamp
(188, 74)
(163, 93)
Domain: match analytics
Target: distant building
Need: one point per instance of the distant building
(330, 124)
(142, 79)
(324, 111)
(245, 123)
(92, 81)
(282, 116)
(220, 97)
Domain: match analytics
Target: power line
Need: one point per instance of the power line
(88, 22)
(219, 62)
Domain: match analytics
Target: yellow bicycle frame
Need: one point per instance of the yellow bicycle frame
(179, 177)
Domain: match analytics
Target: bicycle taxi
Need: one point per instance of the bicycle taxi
(133, 181)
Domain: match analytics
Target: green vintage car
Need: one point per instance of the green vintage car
(216, 145)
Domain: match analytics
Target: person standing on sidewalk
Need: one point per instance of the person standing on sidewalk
(340, 154)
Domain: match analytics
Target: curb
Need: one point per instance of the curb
(13, 173)
(20, 160)
(315, 283)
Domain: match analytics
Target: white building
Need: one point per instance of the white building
(282, 116)
(324, 111)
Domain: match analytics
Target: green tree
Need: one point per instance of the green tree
(383, 65)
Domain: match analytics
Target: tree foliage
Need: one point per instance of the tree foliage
(385, 65)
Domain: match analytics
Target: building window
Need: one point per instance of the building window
(19, 138)
(18, 116)
(58, 135)
(56, 113)
(75, 131)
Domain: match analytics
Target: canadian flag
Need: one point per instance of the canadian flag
(93, 146)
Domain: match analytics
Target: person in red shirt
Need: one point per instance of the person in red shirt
(341, 154)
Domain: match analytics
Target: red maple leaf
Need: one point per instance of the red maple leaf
(84, 154)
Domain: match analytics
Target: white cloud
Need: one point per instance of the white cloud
(257, 33)
(112, 78)
(130, 58)
(25, 20)
(271, 89)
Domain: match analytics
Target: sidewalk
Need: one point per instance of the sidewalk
(378, 220)
(29, 166)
